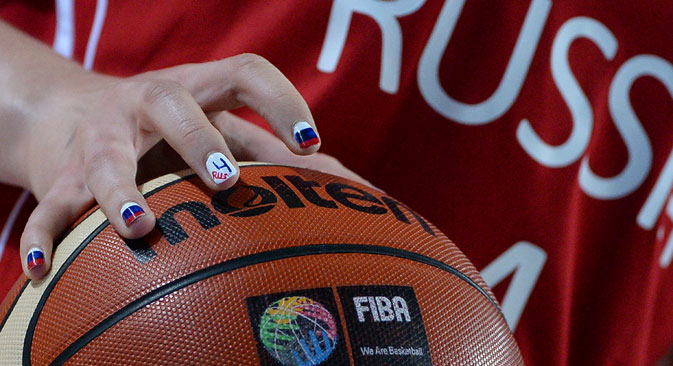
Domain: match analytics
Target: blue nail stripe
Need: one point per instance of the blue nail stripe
(305, 135)
(34, 258)
(131, 213)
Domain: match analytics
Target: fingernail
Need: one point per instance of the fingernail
(305, 135)
(219, 167)
(35, 258)
(130, 212)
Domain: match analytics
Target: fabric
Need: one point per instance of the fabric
(536, 135)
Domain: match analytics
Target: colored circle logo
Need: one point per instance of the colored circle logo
(298, 331)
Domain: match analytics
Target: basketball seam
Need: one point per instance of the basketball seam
(28, 340)
(27, 345)
(253, 259)
(11, 307)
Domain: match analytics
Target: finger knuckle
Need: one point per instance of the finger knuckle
(282, 97)
(70, 184)
(251, 61)
(90, 133)
(112, 193)
(191, 130)
(99, 157)
(161, 91)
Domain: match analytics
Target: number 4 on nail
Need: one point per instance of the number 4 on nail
(219, 167)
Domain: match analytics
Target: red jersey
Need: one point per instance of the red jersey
(536, 135)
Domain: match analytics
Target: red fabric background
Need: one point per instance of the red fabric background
(601, 297)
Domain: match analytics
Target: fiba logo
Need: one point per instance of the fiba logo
(298, 331)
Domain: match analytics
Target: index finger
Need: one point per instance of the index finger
(251, 80)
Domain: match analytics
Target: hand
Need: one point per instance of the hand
(85, 140)
(247, 142)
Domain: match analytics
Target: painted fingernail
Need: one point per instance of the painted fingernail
(131, 212)
(35, 258)
(305, 135)
(219, 167)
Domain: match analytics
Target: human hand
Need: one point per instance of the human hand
(247, 142)
(85, 140)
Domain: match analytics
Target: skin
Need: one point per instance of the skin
(73, 137)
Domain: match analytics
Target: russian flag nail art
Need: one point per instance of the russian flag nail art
(130, 212)
(35, 258)
(305, 135)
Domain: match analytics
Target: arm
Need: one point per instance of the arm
(72, 137)
(30, 73)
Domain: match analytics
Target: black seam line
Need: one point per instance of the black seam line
(98, 230)
(28, 340)
(11, 307)
(252, 259)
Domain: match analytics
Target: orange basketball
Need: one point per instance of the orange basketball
(288, 267)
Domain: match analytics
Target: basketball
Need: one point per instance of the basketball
(288, 267)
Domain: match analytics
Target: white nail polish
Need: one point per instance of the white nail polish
(220, 168)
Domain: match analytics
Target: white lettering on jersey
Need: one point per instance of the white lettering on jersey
(651, 210)
(638, 145)
(385, 14)
(526, 261)
(64, 34)
(630, 129)
(667, 253)
(661, 70)
(11, 220)
(510, 84)
(580, 108)
(94, 35)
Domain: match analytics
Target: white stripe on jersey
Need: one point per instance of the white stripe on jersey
(94, 36)
(64, 34)
(11, 220)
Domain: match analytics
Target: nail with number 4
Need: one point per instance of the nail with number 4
(220, 168)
